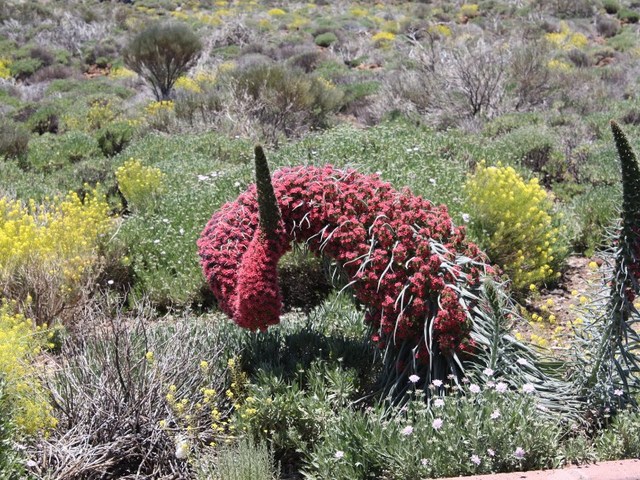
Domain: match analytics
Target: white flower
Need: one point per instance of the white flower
(495, 414)
(437, 423)
(488, 372)
(438, 402)
(339, 454)
(617, 392)
(466, 217)
(521, 361)
(237, 184)
(110, 282)
(414, 378)
(202, 178)
(156, 241)
(432, 181)
(473, 388)
(424, 462)
(475, 459)
(181, 231)
(501, 387)
(182, 450)
(528, 388)
(491, 452)
(437, 383)
(406, 431)
(519, 453)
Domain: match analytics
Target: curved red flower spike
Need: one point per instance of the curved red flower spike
(405, 259)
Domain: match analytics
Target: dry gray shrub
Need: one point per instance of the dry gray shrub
(128, 393)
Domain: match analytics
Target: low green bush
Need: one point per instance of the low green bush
(14, 140)
(52, 152)
(326, 39)
(114, 137)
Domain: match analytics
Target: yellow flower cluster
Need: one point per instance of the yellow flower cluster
(276, 12)
(440, 30)
(122, 73)
(19, 342)
(139, 183)
(188, 84)
(383, 39)
(558, 65)
(158, 108)
(100, 113)
(566, 39)
(515, 218)
(4, 68)
(469, 10)
(60, 236)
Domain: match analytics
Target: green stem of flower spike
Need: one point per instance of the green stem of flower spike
(267, 202)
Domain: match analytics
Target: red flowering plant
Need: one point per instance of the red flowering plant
(404, 259)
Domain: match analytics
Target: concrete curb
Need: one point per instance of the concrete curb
(616, 470)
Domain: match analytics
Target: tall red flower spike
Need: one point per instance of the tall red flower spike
(405, 259)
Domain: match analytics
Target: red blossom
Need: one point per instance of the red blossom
(383, 238)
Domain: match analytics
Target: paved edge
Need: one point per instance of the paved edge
(616, 470)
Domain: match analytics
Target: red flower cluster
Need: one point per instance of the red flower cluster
(403, 255)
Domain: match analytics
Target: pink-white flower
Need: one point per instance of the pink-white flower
(519, 453)
(414, 378)
(495, 414)
(501, 387)
(488, 372)
(475, 459)
(339, 454)
(438, 402)
(473, 388)
(437, 423)
(437, 383)
(528, 388)
(406, 431)
(424, 462)
(521, 361)
(617, 392)
(490, 452)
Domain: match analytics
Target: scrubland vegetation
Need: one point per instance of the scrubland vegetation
(402, 351)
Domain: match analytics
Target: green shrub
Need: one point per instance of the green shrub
(241, 461)
(514, 222)
(611, 6)
(621, 439)
(628, 15)
(14, 140)
(161, 54)
(45, 120)
(326, 39)
(114, 137)
(25, 67)
(284, 100)
(52, 152)
(460, 435)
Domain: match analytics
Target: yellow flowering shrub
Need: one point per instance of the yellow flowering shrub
(514, 222)
(19, 342)
(567, 39)
(187, 84)
(122, 73)
(139, 184)
(276, 12)
(559, 65)
(159, 108)
(469, 10)
(440, 30)
(49, 249)
(4, 68)
(383, 39)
